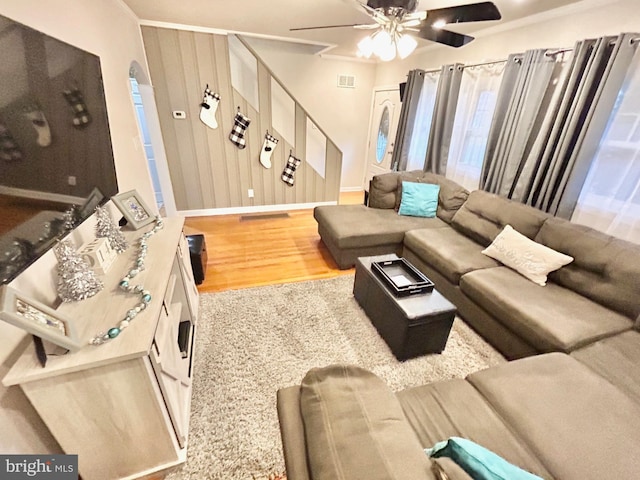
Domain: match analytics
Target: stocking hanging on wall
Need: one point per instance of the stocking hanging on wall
(289, 171)
(269, 144)
(208, 109)
(9, 150)
(81, 116)
(240, 124)
(36, 116)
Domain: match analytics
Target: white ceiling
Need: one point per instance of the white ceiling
(274, 18)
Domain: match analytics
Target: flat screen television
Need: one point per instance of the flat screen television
(56, 159)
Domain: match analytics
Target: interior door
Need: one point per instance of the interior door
(384, 123)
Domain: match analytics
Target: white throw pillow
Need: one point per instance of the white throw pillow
(532, 260)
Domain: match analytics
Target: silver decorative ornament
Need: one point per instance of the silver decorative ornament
(76, 280)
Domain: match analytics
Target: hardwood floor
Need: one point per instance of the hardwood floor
(247, 250)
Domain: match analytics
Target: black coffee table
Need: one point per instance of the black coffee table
(412, 326)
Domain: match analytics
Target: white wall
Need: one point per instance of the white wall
(562, 28)
(108, 29)
(343, 113)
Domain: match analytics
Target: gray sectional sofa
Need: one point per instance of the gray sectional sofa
(570, 410)
(595, 296)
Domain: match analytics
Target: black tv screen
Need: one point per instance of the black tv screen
(56, 160)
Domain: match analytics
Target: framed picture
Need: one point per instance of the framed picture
(134, 209)
(90, 204)
(38, 319)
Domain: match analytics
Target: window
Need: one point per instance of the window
(610, 197)
(474, 111)
(422, 125)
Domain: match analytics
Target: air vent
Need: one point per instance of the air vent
(346, 81)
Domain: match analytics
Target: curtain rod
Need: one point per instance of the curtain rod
(493, 62)
(558, 52)
(435, 70)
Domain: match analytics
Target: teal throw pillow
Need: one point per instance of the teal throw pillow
(419, 199)
(477, 461)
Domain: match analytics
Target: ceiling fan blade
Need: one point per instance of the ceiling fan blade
(369, 26)
(447, 37)
(474, 12)
(356, 25)
(407, 5)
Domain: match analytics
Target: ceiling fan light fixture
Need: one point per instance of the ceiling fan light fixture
(388, 52)
(406, 44)
(365, 47)
(382, 40)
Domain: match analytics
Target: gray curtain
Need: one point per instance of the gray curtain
(525, 92)
(415, 81)
(559, 162)
(444, 112)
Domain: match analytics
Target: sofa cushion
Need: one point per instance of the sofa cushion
(353, 226)
(530, 259)
(551, 318)
(483, 216)
(355, 428)
(605, 269)
(447, 251)
(616, 359)
(580, 426)
(454, 408)
(383, 189)
(419, 199)
(450, 198)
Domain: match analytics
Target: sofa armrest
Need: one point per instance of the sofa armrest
(292, 433)
(355, 428)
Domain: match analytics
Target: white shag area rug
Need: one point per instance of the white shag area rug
(252, 342)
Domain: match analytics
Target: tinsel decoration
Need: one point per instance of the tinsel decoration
(126, 285)
(76, 280)
(106, 227)
(71, 217)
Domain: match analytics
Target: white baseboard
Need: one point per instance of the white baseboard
(255, 209)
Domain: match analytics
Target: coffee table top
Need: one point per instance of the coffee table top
(413, 306)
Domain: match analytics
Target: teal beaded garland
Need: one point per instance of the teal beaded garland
(124, 284)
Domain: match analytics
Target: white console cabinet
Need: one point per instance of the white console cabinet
(123, 407)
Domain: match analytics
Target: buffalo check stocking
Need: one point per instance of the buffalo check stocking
(240, 124)
(290, 170)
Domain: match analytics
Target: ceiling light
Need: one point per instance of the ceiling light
(406, 44)
(365, 47)
(386, 43)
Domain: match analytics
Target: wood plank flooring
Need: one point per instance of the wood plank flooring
(253, 252)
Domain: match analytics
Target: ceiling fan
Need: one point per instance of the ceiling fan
(396, 21)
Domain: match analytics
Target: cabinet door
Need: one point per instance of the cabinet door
(184, 260)
(173, 371)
